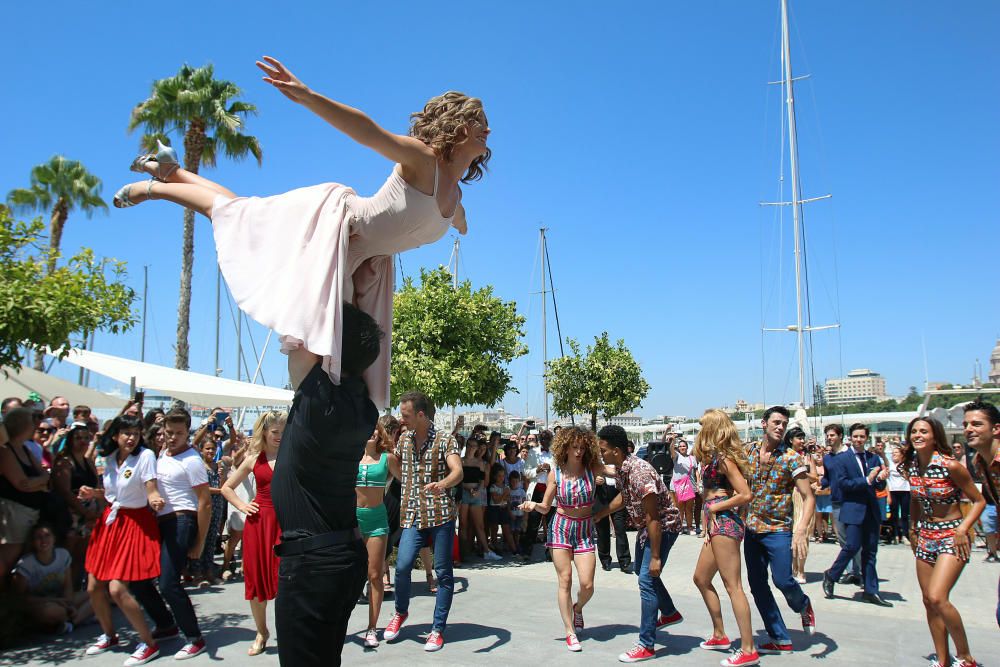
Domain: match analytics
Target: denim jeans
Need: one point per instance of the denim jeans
(842, 539)
(178, 533)
(775, 550)
(441, 539)
(652, 592)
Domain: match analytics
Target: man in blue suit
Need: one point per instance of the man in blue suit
(835, 440)
(858, 475)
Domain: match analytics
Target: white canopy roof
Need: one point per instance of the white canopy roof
(20, 383)
(196, 388)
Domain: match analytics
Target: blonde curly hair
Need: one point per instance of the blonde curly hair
(262, 426)
(441, 125)
(567, 437)
(718, 437)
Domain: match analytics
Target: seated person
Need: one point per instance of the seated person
(44, 577)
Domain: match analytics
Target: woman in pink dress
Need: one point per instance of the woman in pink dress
(316, 247)
(261, 531)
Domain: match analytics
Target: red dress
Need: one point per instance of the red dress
(260, 533)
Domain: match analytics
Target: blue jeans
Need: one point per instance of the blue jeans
(652, 592)
(842, 539)
(441, 538)
(178, 533)
(775, 550)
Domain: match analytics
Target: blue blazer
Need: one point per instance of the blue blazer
(849, 486)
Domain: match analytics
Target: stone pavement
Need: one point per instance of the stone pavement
(505, 614)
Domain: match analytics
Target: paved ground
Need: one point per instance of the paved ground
(505, 614)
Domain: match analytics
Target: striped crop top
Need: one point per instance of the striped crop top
(374, 474)
(934, 487)
(577, 492)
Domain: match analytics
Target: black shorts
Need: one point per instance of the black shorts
(497, 516)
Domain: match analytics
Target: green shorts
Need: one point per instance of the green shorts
(373, 521)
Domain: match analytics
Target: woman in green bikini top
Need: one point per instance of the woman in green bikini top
(373, 521)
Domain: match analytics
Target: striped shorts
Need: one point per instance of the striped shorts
(576, 535)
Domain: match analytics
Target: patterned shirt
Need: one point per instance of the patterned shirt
(638, 480)
(771, 484)
(991, 476)
(421, 466)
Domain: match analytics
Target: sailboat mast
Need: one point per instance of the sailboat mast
(545, 354)
(793, 152)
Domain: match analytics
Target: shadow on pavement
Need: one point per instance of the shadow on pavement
(456, 633)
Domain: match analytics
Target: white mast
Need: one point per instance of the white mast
(788, 81)
(545, 354)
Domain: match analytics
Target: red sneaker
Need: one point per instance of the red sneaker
(573, 643)
(395, 623)
(637, 654)
(713, 644)
(142, 654)
(666, 621)
(105, 643)
(775, 648)
(808, 619)
(435, 641)
(191, 649)
(739, 658)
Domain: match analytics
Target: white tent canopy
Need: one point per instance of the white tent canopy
(195, 388)
(20, 383)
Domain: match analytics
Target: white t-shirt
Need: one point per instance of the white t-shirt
(897, 482)
(517, 465)
(45, 580)
(126, 484)
(544, 457)
(177, 477)
(517, 496)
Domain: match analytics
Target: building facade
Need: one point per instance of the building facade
(860, 385)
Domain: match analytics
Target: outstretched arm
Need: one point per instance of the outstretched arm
(407, 151)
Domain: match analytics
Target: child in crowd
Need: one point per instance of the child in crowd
(496, 510)
(517, 497)
(44, 577)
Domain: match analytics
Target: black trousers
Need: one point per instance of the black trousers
(530, 534)
(605, 494)
(177, 533)
(317, 592)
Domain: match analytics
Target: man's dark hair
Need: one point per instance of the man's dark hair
(546, 435)
(81, 409)
(18, 420)
(615, 436)
(513, 475)
(7, 402)
(991, 411)
(858, 426)
(836, 428)
(420, 403)
(178, 416)
(780, 409)
(361, 341)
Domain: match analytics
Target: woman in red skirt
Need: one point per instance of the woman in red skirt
(261, 531)
(125, 544)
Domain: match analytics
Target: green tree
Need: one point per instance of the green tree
(41, 308)
(453, 343)
(58, 186)
(204, 111)
(606, 380)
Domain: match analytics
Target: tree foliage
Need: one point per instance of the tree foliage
(202, 109)
(453, 343)
(606, 380)
(39, 308)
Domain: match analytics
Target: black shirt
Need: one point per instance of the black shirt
(317, 466)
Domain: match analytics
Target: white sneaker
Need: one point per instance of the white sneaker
(492, 555)
(371, 639)
(573, 643)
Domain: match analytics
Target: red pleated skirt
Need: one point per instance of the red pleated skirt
(128, 549)
(260, 566)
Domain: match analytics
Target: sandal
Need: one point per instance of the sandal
(165, 158)
(259, 645)
(122, 198)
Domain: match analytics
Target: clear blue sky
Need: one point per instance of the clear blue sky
(642, 136)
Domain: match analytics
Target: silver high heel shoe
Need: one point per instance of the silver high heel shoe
(122, 199)
(165, 159)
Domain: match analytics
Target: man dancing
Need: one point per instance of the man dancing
(982, 431)
(431, 463)
(644, 496)
(769, 540)
(323, 560)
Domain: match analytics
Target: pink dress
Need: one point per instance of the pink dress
(290, 260)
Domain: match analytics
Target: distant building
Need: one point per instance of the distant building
(995, 364)
(860, 385)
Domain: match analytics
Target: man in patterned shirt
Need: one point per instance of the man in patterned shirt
(431, 464)
(775, 471)
(644, 496)
(982, 431)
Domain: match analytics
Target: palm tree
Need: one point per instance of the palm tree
(58, 186)
(203, 110)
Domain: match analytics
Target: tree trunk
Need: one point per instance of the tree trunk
(593, 421)
(57, 222)
(194, 143)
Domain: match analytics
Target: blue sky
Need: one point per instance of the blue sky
(642, 136)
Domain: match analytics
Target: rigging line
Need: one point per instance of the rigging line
(552, 286)
(253, 345)
(232, 316)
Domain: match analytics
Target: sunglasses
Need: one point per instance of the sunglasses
(45, 430)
